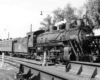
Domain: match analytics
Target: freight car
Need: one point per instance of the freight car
(54, 42)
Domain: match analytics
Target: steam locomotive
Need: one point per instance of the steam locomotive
(76, 35)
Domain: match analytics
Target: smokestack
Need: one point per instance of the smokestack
(31, 28)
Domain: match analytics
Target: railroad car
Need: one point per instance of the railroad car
(6, 46)
(14, 47)
(20, 47)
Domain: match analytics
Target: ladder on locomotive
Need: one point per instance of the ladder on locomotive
(76, 47)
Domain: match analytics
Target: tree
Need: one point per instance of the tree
(80, 12)
(47, 22)
(58, 14)
(69, 13)
(93, 12)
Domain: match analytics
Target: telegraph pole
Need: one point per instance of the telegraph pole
(31, 28)
(8, 35)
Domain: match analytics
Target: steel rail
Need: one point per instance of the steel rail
(11, 63)
(86, 63)
(75, 62)
(23, 61)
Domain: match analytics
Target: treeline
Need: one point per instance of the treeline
(69, 13)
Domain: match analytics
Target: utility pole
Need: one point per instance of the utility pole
(8, 35)
(31, 28)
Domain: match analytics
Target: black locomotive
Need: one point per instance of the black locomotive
(76, 35)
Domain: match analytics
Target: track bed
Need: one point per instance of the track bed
(55, 71)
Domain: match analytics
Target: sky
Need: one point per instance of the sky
(16, 16)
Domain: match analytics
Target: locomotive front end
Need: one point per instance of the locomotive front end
(85, 34)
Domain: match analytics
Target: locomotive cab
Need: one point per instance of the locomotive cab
(35, 35)
(32, 37)
(32, 42)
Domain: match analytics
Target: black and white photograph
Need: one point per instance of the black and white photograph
(49, 39)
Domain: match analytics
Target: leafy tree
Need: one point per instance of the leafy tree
(69, 13)
(80, 12)
(58, 14)
(47, 22)
(93, 12)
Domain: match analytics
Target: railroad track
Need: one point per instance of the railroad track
(30, 61)
(23, 60)
(46, 72)
(57, 67)
(55, 71)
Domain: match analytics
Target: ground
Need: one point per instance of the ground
(7, 72)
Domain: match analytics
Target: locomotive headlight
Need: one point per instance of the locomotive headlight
(83, 34)
(89, 35)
